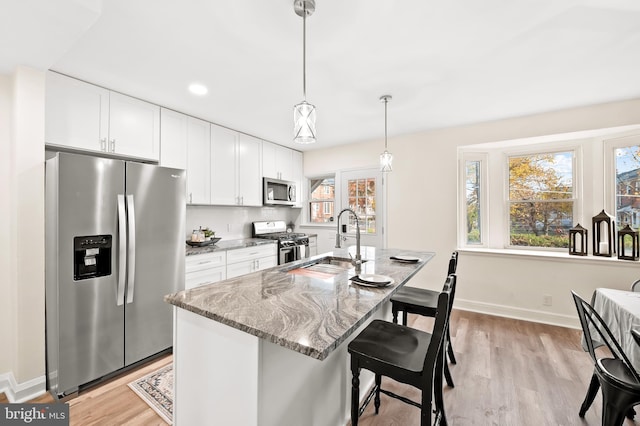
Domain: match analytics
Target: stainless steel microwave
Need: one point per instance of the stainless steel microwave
(278, 192)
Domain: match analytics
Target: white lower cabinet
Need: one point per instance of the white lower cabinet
(251, 259)
(313, 246)
(205, 269)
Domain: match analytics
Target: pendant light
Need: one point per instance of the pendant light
(386, 158)
(304, 114)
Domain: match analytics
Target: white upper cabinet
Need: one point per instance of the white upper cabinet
(235, 168)
(224, 174)
(277, 161)
(134, 127)
(249, 170)
(173, 139)
(76, 113)
(298, 177)
(83, 116)
(198, 161)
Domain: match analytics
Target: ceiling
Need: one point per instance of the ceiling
(445, 63)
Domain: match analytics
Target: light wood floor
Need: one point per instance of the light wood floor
(112, 403)
(509, 372)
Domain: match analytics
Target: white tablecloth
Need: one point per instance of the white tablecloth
(621, 311)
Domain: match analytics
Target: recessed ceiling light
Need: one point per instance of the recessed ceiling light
(198, 89)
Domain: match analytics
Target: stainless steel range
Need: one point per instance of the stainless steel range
(291, 245)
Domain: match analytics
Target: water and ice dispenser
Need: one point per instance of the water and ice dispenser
(92, 256)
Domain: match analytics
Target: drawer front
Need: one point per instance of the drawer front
(251, 253)
(198, 262)
(207, 276)
(240, 268)
(266, 262)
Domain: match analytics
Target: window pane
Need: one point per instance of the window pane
(362, 200)
(541, 199)
(474, 235)
(628, 186)
(321, 204)
(541, 176)
(541, 224)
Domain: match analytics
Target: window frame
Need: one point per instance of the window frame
(539, 150)
(483, 159)
(609, 147)
(495, 189)
(311, 201)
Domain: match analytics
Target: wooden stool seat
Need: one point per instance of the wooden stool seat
(413, 300)
(406, 355)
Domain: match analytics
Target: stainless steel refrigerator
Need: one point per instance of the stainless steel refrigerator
(114, 247)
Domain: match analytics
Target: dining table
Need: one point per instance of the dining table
(620, 309)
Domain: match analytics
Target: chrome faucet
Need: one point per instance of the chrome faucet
(357, 262)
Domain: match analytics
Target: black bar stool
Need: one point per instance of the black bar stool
(406, 355)
(424, 302)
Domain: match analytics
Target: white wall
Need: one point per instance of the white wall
(235, 222)
(7, 331)
(421, 214)
(22, 235)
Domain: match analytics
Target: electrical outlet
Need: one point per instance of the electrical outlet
(546, 300)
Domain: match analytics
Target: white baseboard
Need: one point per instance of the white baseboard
(543, 317)
(21, 392)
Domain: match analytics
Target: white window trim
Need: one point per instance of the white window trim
(495, 191)
(609, 145)
(483, 158)
(306, 222)
(549, 148)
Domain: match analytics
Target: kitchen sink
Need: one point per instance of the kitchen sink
(329, 265)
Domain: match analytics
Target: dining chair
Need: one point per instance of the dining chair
(619, 381)
(406, 355)
(635, 286)
(423, 302)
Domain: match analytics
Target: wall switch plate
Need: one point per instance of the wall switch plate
(546, 300)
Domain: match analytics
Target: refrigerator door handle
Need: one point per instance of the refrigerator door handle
(131, 260)
(122, 252)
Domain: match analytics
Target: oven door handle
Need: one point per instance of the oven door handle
(303, 251)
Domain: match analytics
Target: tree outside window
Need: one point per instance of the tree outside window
(474, 208)
(541, 199)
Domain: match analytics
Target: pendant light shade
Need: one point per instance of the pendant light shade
(386, 158)
(304, 114)
(304, 118)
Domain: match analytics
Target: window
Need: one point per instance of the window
(362, 200)
(541, 199)
(627, 195)
(473, 202)
(321, 199)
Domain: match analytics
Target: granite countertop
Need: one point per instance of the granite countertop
(224, 245)
(300, 310)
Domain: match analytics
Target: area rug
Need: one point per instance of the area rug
(156, 389)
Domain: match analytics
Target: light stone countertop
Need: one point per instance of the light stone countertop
(224, 245)
(302, 312)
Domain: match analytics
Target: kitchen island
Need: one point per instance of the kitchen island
(269, 348)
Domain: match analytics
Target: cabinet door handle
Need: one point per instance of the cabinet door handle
(242, 200)
(103, 144)
(112, 144)
(191, 198)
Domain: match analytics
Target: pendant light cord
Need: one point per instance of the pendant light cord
(304, 52)
(385, 123)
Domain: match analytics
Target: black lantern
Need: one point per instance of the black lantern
(578, 241)
(604, 230)
(628, 252)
